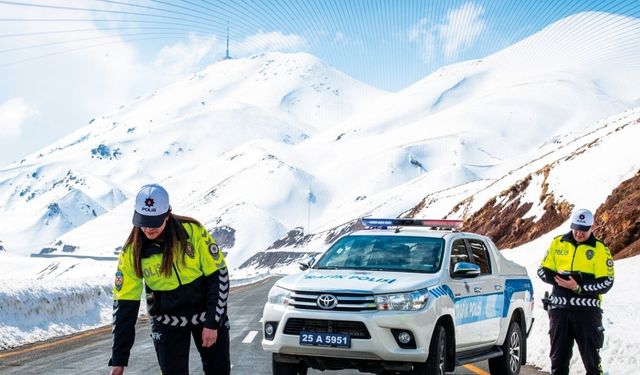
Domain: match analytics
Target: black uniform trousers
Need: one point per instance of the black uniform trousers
(172, 349)
(585, 327)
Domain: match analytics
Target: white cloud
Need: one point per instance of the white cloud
(274, 41)
(463, 27)
(184, 57)
(419, 30)
(426, 36)
(460, 29)
(13, 115)
(71, 83)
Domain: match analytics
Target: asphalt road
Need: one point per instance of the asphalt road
(89, 352)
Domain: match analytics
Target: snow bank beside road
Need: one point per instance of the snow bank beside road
(37, 310)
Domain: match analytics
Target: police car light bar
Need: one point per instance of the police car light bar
(439, 223)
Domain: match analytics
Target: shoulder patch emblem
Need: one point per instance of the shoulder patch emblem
(189, 251)
(215, 251)
(589, 254)
(119, 280)
(609, 262)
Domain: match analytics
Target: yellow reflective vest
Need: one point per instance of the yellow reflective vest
(589, 263)
(195, 293)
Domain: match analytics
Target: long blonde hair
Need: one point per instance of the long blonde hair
(175, 240)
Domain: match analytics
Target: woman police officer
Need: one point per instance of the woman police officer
(186, 282)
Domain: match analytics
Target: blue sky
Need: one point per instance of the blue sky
(63, 62)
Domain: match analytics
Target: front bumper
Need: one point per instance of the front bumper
(380, 346)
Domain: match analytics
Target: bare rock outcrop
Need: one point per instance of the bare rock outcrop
(618, 219)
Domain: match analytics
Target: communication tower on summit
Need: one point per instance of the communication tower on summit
(227, 56)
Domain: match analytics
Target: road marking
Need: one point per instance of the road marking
(475, 370)
(250, 336)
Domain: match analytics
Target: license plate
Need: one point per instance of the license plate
(339, 340)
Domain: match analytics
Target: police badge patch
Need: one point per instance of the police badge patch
(215, 251)
(189, 251)
(119, 280)
(589, 254)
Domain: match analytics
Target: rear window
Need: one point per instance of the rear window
(387, 253)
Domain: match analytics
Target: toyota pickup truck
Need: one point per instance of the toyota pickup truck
(402, 296)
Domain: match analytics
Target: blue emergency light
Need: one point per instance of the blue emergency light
(435, 223)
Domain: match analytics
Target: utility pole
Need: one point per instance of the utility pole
(310, 199)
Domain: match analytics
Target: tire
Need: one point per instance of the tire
(286, 368)
(437, 360)
(514, 346)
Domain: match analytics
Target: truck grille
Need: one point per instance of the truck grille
(357, 330)
(346, 301)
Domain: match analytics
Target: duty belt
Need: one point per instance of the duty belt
(180, 321)
(574, 301)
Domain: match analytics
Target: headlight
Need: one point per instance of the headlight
(403, 301)
(278, 296)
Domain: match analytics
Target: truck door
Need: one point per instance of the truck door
(465, 301)
(489, 288)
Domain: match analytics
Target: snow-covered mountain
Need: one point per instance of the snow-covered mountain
(217, 124)
(279, 154)
(257, 147)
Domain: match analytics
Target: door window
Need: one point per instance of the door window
(458, 253)
(480, 255)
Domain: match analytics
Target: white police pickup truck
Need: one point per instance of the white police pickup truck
(401, 298)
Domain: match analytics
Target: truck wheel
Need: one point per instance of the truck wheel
(286, 368)
(437, 359)
(513, 348)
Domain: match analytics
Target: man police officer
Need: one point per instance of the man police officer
(580, 268)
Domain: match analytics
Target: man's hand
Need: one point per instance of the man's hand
(209, 337)
(117, 370)
(569, 283)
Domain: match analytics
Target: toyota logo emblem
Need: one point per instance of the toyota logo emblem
(326, 301)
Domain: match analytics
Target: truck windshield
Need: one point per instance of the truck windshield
(386, 253)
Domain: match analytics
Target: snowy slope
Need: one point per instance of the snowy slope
(254, 148)
(282, 98)
(322, 146)
(581, 167)
(298, 144)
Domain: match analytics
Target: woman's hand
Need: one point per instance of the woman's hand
(209, 337)
(117, 370)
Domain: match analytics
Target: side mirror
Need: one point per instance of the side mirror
(305, 264)
(464, 269)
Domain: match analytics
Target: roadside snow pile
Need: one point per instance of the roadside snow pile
(34, 311)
